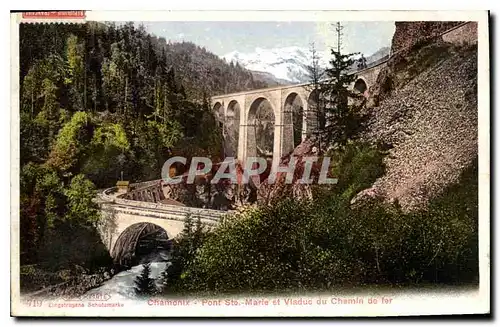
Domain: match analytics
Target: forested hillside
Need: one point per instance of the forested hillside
(145, 56)
(98, 101)
(119, 74)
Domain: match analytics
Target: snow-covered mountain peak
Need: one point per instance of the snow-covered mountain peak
(287, 64)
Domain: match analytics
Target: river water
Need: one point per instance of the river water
(122, 285)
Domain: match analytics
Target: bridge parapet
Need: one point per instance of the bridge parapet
(168, 213)
(210, 214)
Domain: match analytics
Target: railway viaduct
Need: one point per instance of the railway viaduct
(239, 111)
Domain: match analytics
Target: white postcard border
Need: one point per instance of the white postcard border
(409, 303)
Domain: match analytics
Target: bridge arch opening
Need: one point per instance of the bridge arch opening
(293, 122)
(260, 129)
(232, 129)
(360, 86)
(140, 242)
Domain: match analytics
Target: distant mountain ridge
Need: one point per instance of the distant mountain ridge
(268, 78)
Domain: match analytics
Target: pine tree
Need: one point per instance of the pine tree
(164, 280)
(339, 118)
(183, 252)
(198, 233)
(144, 284)
(187, 231)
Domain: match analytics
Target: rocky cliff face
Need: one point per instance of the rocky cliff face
(428, 117)
(409, 33)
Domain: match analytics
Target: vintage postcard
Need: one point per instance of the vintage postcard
(258, 163)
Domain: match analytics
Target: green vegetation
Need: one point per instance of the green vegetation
(304, 246)
(358, 165)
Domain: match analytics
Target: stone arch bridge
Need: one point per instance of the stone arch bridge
(238, 111)
(130, 216)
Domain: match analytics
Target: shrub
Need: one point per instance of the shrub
(357, 167)
(304, 246)
(260, 249)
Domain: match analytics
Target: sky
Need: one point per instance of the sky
(224, 37)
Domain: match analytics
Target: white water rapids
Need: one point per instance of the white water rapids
(122, 285)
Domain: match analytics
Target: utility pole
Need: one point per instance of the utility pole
(339, 29)
(315, 75)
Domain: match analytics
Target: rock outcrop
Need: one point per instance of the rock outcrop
(409, 33)
(223, 195)
(268, 192)
(428, 116)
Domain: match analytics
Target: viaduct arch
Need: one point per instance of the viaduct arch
(360, 86)
(293, 121)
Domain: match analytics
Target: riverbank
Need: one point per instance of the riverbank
(66, 283)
